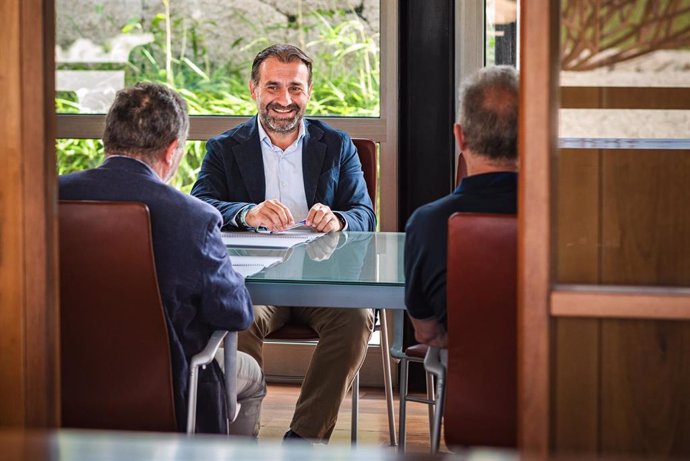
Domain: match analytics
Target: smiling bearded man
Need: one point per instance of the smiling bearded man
(272, 171)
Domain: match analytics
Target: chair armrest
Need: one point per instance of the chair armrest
(396, 349)
(209, 352)
(202, 359)
(230, 359)
(433, 363)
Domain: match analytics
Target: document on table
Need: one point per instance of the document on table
(250, 265)
(257, 240)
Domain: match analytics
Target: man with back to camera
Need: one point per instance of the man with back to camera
(486, 133)
(277, 169)
(145, 133)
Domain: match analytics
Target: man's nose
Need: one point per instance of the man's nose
(283, 97)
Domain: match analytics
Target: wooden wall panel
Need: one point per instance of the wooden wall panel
(645, 380)
(576, 381)
(576, 342)
(28, 267)
(578, 216)
(645, 221)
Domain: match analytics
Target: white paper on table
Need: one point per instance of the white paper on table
(249, 269)
(259, 240)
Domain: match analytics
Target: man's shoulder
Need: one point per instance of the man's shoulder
(437, 209)
(196, 210)
(236, 134)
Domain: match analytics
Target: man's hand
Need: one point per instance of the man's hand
(322, 219)
(430, 332)
(323, 247)
(270, 214)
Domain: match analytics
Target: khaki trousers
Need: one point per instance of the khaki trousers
(251, 390)
(343, 338)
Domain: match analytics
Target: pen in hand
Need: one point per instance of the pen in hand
(297, 224)
(264, 230)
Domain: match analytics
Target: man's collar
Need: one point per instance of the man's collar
(117, 157)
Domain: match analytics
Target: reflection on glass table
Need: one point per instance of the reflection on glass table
(346, 269)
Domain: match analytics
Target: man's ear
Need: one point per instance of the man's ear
(459, 136)
(169, 155)
(252, 89)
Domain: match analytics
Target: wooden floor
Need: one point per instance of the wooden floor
(279, 405)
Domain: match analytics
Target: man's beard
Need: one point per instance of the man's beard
(280, 124)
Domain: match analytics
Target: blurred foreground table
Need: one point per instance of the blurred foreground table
(77, 445)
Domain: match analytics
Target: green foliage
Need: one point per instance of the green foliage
(345, 77)
(189, 166)
(78, 154)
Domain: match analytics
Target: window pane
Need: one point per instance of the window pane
(80, 154)
(204, 48)
(501, 32)
(622, 170)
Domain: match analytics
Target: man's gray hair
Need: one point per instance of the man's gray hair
(284, 53)
(143, 120)
(488, 112)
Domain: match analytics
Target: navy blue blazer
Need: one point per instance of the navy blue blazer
(232, 173)
(426, 238)
(200, 290)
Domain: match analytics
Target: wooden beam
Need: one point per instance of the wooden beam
(537, 144)
(635, 303)
(595, 97)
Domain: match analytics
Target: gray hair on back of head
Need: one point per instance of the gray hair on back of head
(144, 119)
(488, 112)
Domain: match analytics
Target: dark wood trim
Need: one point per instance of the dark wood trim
(40, 223)
(537, 144)
(659, 98)
(203, 127)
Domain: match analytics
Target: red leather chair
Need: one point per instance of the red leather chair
(366, 149)
(481, 380)
(115, 355)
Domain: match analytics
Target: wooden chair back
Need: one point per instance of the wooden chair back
(366, 148)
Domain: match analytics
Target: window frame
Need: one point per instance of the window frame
(382, 129)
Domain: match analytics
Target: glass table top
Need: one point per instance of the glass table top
(348, 258)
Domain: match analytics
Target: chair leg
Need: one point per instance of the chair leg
(403, 403)
(355, 408)
(430, 397)
(387, 378)
(438, 414)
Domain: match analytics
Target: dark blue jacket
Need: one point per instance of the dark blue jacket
(201, 292)
(232, 174)
(426, 238)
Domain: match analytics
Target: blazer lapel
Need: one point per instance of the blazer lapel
(250, 161)
(313, 155)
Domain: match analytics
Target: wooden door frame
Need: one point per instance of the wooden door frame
(29, 315)
(540, 299)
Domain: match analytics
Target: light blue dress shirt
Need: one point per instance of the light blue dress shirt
(283, 173)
